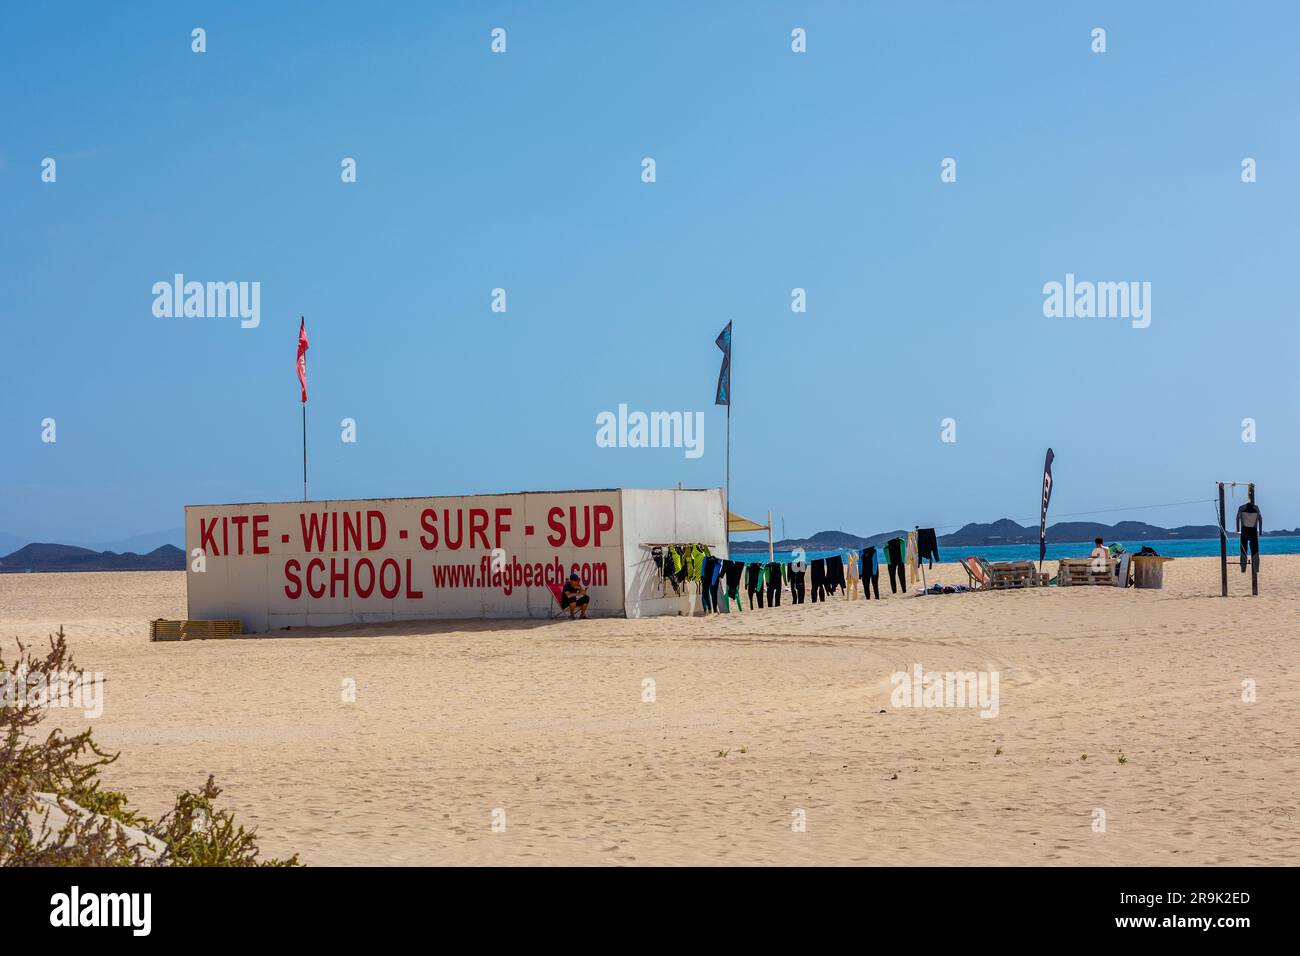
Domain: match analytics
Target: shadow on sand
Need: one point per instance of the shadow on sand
(433, 627)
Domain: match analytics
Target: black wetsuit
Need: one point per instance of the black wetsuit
(818, 567)
(927, 545)
(752, 572)
(774, 585)
(1249, 525)
(894, 560)
(835, 574)
(870, 573)
(732, 570)
(796, 581)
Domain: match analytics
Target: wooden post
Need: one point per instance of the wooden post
(770, 558)
(1223, 544)
(924, 585)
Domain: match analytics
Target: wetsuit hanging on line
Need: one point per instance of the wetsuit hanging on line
(1249, 525)
(894, 561)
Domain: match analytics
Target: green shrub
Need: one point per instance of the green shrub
(193, 833)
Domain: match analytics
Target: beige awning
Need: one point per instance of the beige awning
(737, 522)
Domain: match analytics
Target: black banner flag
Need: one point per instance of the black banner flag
(1047, 497)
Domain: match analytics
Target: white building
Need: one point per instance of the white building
(319, 563)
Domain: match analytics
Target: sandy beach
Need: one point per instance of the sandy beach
(758, 720)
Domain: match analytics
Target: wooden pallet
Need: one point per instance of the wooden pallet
(1075, 572)
(1015, 574)
(163, 630)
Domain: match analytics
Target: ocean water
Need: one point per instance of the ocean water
(1172, 548)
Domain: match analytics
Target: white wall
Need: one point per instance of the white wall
(667, 516)
(255, 583)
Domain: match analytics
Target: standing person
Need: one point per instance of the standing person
(575, 596)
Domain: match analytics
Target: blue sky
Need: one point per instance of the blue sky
(522, 171)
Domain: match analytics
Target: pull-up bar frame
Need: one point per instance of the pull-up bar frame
(1223, 540)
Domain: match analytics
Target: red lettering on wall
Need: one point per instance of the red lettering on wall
(478, 522)
(313, 565)
(239, 521)
(352, 532)
(555, 519)
(313, 527)
(384, 589)
(604, 521)
(429, 522)
(260, 532)
(374, 543)
(411, 593)
(292, 590)
(580, 542)
(365, 592)
(206, 539)
(337, 576)
(446, 528)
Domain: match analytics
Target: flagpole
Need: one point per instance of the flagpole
(723, 397)
(302, 377)
(727, 517)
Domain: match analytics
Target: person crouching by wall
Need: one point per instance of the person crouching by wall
(575, 596)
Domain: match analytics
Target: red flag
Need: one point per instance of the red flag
(302, 358)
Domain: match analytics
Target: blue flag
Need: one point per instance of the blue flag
(724, 374)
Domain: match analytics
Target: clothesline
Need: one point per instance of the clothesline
(719, 581)
(651, 545)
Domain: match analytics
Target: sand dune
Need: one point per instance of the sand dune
(756, 717)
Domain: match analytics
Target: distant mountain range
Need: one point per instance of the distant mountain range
(138, 543)
(66, 557)
(168, 557)
(1003, 531)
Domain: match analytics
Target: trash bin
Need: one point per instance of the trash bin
(1149, 571)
